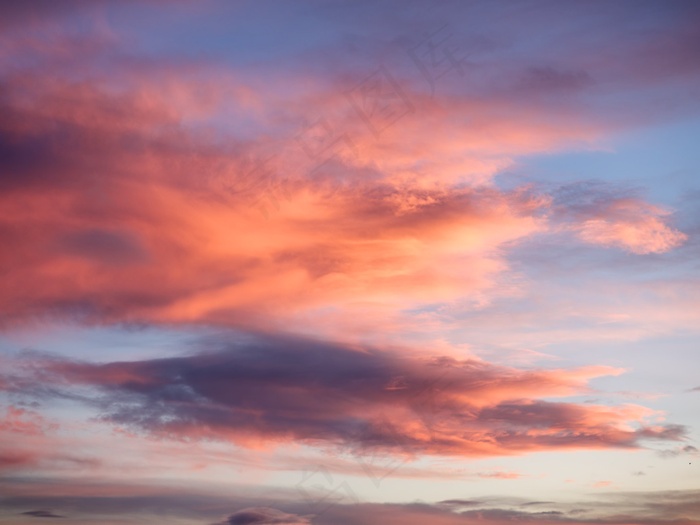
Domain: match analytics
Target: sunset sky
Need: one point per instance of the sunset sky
(333, 262)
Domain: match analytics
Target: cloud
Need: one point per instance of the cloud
(264, 516)
(100, 501)
(21, 421)
(678, 451)
(614, 507)
(461, 503)
(280, 389)
(31, 441)
(500, 475)
(641, 231)
(147, 220)
(608, 216)
(22, 433)
(10, 459)
(42, 514)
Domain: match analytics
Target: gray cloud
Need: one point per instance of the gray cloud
(42, 514)
(264, 516)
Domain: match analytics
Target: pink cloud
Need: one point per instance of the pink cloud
(500, 475)
(21, 421)
(112, 241)
(23, 441)
(633, 225)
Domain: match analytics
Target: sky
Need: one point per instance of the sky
(333, 262)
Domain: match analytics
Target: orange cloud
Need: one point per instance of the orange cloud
(128, 204)
(111, 223)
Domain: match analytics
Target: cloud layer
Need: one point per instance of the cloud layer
(106, 504)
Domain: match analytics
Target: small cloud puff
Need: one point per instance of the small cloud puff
(264, 516)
